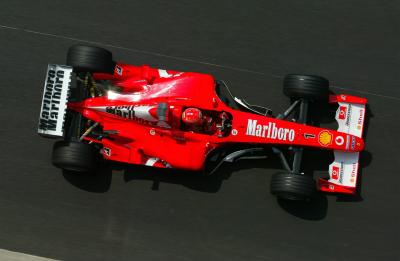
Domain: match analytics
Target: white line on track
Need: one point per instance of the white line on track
(180, 58)
(16, 256)
(367, 93)
(135, 50)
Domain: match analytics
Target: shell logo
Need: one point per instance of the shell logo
(325, 138)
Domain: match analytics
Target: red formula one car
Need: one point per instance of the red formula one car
(186, 120)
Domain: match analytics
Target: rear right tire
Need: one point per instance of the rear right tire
(75, 156)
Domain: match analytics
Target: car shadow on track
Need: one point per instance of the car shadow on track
(198, 181)
(98, 182)
(315, 209)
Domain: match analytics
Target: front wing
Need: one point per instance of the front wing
(344, 170)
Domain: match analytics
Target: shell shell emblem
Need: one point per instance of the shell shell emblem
(325, 138)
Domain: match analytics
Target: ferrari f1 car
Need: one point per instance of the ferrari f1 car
(185, 120)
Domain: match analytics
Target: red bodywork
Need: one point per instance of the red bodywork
(144, 120)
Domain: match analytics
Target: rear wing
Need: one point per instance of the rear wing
(343, 171)
(54, 101)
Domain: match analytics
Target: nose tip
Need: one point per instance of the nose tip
(359, 144)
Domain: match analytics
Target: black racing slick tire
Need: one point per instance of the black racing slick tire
(293, 186)
(93, 59)
(74, 156)
(308, 87)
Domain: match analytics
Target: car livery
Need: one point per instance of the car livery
(171, 119)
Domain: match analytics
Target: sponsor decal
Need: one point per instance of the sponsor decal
(269, 131)
(348, 116)
(234, 132)
(343, 97)
(118, 69)
(145, 114)
(342, 112)
(331, 187)
(107, 151)
(325, 138)
(339, 140)
(341, 169)
(347, 142)
(354, 170)
(309, 136)
(353, 143)
(152, 132)
(360, 119)
(335, 172)
(51, 100)
(124, 111)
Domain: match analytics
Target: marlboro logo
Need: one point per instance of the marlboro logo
(269, 131)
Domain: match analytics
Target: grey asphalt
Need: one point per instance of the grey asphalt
(141, 214)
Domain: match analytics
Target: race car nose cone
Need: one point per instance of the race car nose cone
(356, 144)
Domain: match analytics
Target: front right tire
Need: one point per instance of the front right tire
(293, 186)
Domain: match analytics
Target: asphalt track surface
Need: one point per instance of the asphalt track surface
(142, 214)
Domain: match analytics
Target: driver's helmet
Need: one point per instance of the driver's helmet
(192, 116)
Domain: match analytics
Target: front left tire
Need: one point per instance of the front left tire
(84, 58)
(309, 87)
